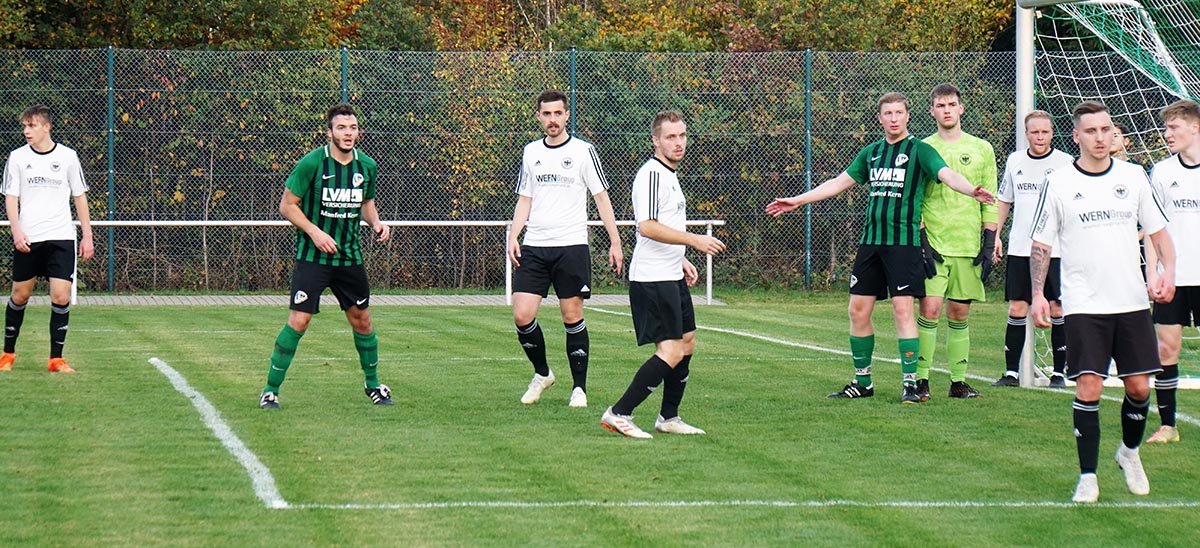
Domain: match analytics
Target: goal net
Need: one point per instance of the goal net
(1134, 56)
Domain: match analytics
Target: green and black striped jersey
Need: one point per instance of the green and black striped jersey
(896, 174)
(331, 196)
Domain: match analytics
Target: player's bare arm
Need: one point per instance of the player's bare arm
(657, 231)
(289, 207)
(87, 247)
(828, 189)
(20, 240)
(520, 217)
(1002, 209)
(1162, 288)
(616, 255)
(690, 274)
(960, 184)
(370, 214)
(1039, 268)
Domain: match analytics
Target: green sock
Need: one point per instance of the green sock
(927, 335)
(908, 360)
(368, 357)
(281, 357)
(958, 346)
(861, 349)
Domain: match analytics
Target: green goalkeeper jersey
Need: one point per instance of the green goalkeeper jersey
(331, 196)
(896, 174)
(953, 220)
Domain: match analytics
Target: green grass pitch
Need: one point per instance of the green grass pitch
(116, 456)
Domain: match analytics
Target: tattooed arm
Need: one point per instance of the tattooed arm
(1039, 267)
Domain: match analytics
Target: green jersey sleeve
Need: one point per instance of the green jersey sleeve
(300, 181)
(859, 169)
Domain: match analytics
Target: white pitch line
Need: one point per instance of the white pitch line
(735, 503)
(260, 476)
(1178, 416)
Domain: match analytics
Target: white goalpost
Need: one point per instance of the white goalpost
(1134, 56)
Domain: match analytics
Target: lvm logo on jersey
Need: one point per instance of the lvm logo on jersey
(885, 179)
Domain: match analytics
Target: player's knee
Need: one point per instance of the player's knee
(1018, 309)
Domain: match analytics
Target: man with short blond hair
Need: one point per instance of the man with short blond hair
(1177, 182)
(889, 262)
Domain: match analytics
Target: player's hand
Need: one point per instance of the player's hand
(708, 245)
(20, 240)
(983, 195)
(1040, 310)
(987, 252)
(616, 257)
(86, 248)
(999, 252)
(929, 256)
(690, 274)
(1162, 288)
(514, 252)
(783, 205)
(323, 241)
(382, 232)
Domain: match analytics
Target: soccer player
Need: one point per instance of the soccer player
(961, 234)
(659, 277)
(328, 193)
(557, 173)
(41, 180)
(1092, 210)
(1177, 182)
(1020, 187)
(890, 260)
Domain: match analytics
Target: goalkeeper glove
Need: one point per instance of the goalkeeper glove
(929, 256)
(985, 253)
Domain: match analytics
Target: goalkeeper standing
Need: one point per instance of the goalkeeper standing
(962, 234)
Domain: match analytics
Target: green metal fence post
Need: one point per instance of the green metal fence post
(345, 75)
(572, 58)
(808, 57)
(112, 181)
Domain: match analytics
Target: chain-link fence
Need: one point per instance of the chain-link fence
(186, 135)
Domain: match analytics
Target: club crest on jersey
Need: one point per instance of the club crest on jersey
(358, 179)
(901, 159)
(54, 166)
(964, 159)
(1121, 191)
(567, 162)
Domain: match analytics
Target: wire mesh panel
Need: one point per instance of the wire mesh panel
(212, 136)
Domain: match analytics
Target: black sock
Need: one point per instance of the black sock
(14, 315)
(1014, 343)
(535, 346)
(1133, 421)
(645, 381)
(577, 352)
(673, 386)
(59, 314)
(1087, 434)
(1058, 340)
(1165, 384)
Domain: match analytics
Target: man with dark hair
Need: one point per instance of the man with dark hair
(557, 174)
(961, 233)
(890, 260)
(659, 277)
(1095, 205)
(329, 192)
(41, 181)
(1177, 182)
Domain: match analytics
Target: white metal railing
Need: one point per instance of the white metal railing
(506, 224)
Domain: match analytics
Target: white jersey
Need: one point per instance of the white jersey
(1178, 188)
(1095, 218)
(44, 183)
(657, 196)
(1020, 187)
(558, 180)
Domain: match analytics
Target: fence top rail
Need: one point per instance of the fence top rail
(280, 222)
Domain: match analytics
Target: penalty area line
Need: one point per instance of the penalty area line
(260, 475)
(741, 503)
